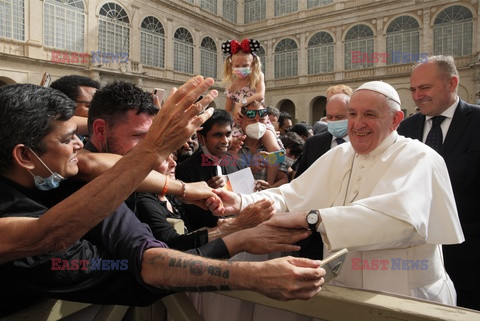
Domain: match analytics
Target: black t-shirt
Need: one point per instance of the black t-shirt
(119, 237)
(154, 213)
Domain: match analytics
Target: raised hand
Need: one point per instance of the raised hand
(179, 116)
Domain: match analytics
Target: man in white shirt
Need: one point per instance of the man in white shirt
(386, 198)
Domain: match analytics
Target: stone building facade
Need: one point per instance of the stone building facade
(307, 45)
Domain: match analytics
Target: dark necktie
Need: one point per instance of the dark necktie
(435, 137)
(340, 140)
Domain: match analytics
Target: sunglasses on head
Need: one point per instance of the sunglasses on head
(252, 113)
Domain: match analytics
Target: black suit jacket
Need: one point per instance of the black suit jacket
(315, 147)
(461, 152)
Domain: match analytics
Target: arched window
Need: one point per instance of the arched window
(152, 42)
(64, 24)
(320, 53)
(283, 7)
(183, 51)
(255, 10)
(113, 30)
(208, 57)
(286, 59)
(359, 47)
(453, 32)
(12, 19)
(230, 10)
(317, 3)
(261, 55)
(403, 41)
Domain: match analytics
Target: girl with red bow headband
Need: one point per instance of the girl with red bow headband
(244, 81)
(242, 74)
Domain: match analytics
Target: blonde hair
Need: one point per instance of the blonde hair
(228, 78)
(339, 89)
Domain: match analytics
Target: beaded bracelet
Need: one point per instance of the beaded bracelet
(184, 189)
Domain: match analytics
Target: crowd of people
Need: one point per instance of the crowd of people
(86, 219)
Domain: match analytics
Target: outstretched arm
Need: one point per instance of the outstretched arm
(285, 278)
(70, 219)
(92, 165)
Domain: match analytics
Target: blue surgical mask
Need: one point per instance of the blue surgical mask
(338, 128)
(47, 183)
(242, 72)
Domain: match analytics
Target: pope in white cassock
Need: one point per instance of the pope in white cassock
(386, 198)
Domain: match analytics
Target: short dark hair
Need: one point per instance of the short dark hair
(220, 116)
(28, 114)
(273, 111)
(69, 85)
(301, 129)
(294, 142)
(113, 101)
(283, 115)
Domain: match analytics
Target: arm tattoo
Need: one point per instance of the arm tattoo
(198, 267)
(198, 288)
(158, 258)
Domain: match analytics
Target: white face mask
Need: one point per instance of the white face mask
(255, 130)
(289, 161)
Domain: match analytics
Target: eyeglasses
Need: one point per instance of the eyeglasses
(253, 113)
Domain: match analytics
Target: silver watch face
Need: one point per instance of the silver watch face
(312, 218)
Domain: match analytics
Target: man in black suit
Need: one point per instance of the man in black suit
(451, 126)
(316, 146)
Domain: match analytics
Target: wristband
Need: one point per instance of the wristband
(165, 186)
(184, 190)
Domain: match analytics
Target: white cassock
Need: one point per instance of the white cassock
(394, 204)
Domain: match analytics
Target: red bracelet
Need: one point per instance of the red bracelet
(165, 186)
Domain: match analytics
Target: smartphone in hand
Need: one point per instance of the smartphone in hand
(46, 79)
(274, 158)
(333, 264)
(159, 93)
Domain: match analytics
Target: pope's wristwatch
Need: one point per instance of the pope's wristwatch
(312, 219)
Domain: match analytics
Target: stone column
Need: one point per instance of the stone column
(302, 55)
(169, 32)
(33, 34)
(270, 10)
(135, 24)
(426, 40)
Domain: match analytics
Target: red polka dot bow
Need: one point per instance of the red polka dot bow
(247, 45)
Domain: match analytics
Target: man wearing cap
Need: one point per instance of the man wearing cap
(385, 197)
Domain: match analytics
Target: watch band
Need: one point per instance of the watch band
(313, 217)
